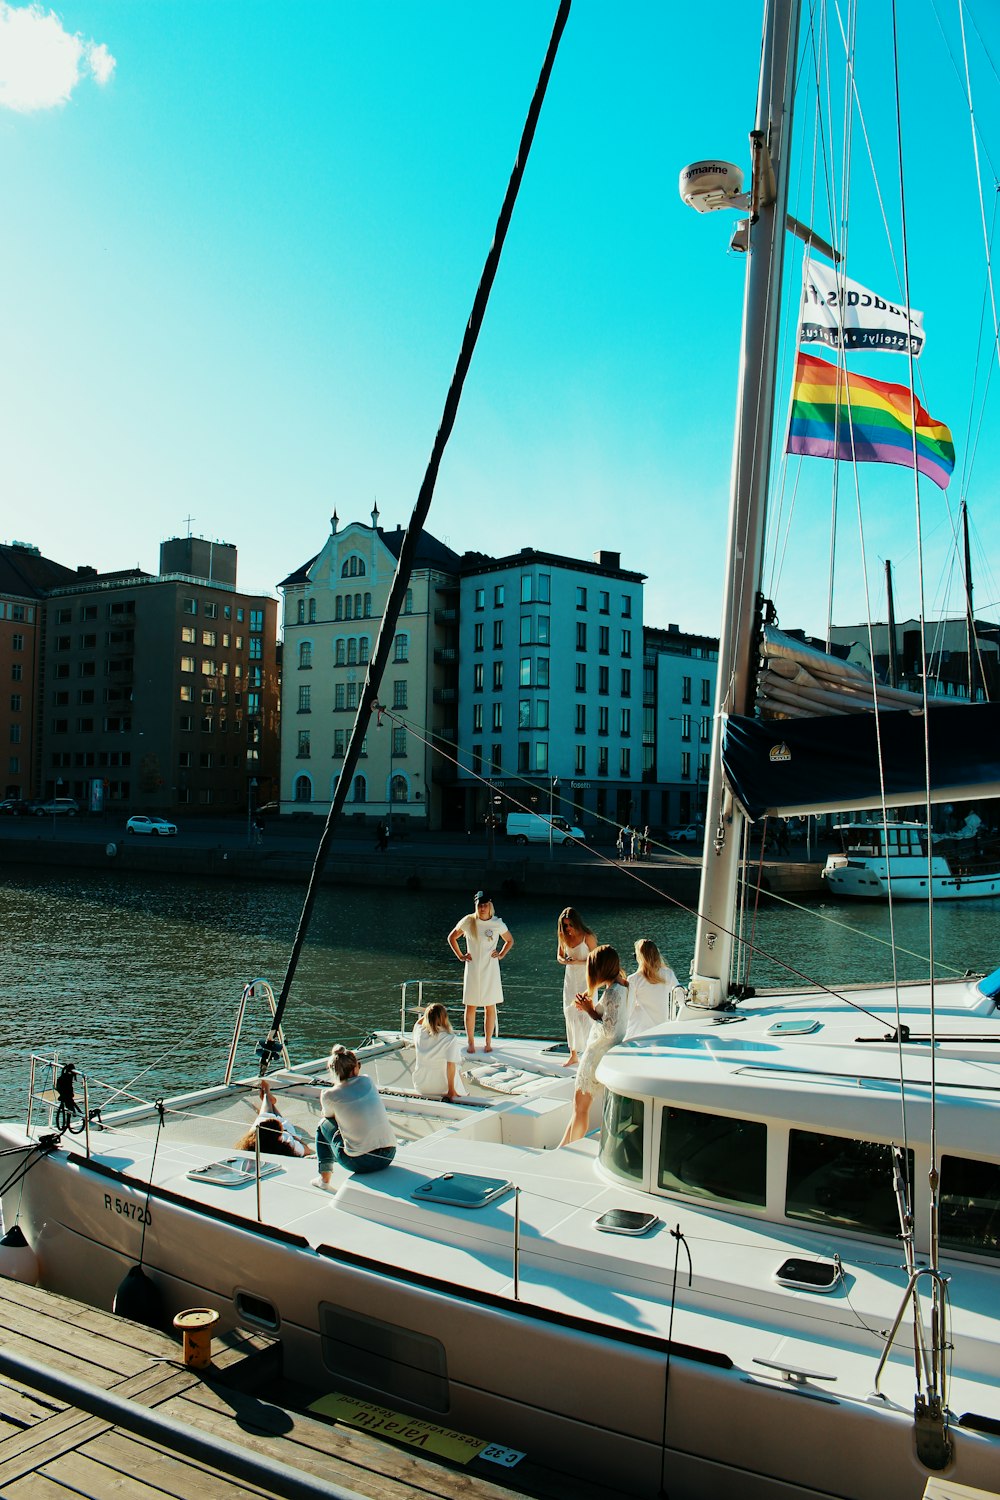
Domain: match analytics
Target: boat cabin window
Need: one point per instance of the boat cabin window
(713, 1156)
(834, 1180)
(622, 1135)
(970, 1205)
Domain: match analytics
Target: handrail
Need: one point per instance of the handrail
(250, 993)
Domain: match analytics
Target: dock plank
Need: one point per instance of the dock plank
(168, 1472)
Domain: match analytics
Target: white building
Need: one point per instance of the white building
(549, 686)
(678, 695)
(333, 607)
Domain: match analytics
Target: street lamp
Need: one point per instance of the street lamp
(553, 788)
(251, 788)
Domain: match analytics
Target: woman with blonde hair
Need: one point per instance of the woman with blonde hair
(608, 1011)
(481, 930)
(438, 1055)
(574, 944)
(649, 989)
(355, 1129)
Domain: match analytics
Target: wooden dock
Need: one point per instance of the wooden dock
(51, 1449)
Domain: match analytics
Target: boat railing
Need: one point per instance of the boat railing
(411, 986)
(256, 989)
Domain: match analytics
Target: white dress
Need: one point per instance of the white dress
(481, 981)
(604, 1033)
(434, 1051)
(649, 1004)
(575, 983)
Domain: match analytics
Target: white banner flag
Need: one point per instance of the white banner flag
(844, 314)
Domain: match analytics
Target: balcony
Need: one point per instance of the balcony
(445, 695)
(446, 616)
(446, 655)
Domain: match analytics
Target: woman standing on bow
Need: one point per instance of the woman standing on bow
(605, 1003)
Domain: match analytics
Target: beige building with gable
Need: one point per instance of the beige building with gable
(333, 608)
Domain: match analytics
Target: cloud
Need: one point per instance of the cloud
(40, 62)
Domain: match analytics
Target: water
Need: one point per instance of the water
(130, 976)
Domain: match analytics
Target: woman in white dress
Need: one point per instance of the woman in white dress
(438, 1055)
(482, 929)
(649, 990)
(606, 1003)
(574, 944)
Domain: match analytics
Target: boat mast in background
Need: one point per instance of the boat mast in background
(765, 241)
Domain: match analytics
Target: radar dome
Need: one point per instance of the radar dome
(707, 185)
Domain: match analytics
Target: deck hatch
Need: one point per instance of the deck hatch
(462, 1190)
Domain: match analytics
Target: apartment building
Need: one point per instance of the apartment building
(160, 691)
(549, 686)
(678, 697)
(332, 613)
(25, 578)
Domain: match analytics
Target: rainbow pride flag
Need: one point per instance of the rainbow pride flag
(864, 421)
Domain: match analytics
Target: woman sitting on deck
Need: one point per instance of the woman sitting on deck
(355, 1130)
(438, 1055)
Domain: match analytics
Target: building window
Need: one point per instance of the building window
(399, 791)
(626, 721)
(523, 756)
(305, 655)
(15, 702)
(408, 603)
(524, 713)
(526, 581)
(603, 681)
(706, 692)
(581, 677)
(581, 635)
(686, 727)
(300, 618)
(15, 734)
(353, 567)
(541, 755)
(304, 751)
(187, 663)
(602, 760)
(339, 699)
(352, 695)
(312, 612)
(305, 699)
(477, 718)
(340, 653)
(685, 690)
(581, 718)
(212, 612)
(706, 729)
(526, 630)
(401, 648)
(477, 636)
(542, 672)
(524, 675)
(497, 676)
(362, 649)
(626, 606)
(498, 635)
(685, 765)
(477, 759)
(16, 671)
(477, 677)
(497, 718)
(189, 606)
(338, 607)
(626, 762)
(581, 598)
(480, 598)
(360, 789)
(604, 602)
(626, 682)
(303, 789)
(209, 638)
(580, 763)
(352, 651)
(604, 640)
(544, 588)
(398, 742)
(498, 595)
(626, 643)
(399, 693)
(17, 642)
(339, 741)
(542, 713)
(496, 759)
(368, 606)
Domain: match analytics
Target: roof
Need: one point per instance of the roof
(27, 574)
(430, 553)
(479, 562)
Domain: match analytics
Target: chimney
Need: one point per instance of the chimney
(608, 559)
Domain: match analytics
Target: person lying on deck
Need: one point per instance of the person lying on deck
(273, 1132)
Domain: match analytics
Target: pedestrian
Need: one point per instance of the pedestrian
(633, 838)
(647, 846)
(606, 1004)
(481, 930)
(621, 843)
(574, 944)
(649, 989)
(381, 839)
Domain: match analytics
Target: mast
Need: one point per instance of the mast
(970, 618)
(771, 143)
(891, 607)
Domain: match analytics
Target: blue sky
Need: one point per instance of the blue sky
(241, 242)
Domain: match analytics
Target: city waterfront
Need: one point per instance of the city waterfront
(138, 978)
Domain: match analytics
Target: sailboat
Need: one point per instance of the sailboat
(772, 1267)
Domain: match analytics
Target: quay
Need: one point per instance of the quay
(95, 1406)
(419, 861)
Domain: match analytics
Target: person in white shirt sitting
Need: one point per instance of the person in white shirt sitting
(438, 1055)
(355, 1129)
(649, 990)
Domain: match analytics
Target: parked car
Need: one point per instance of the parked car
(691, 833)
(13, 807)
(532, 828)
(142, 824)
(55, 807)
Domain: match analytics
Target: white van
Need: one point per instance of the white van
(532, 828)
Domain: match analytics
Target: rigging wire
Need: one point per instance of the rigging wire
(411, 537)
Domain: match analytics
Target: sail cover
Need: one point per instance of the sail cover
(831, 764)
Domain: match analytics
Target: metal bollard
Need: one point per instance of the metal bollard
(196, 1324)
